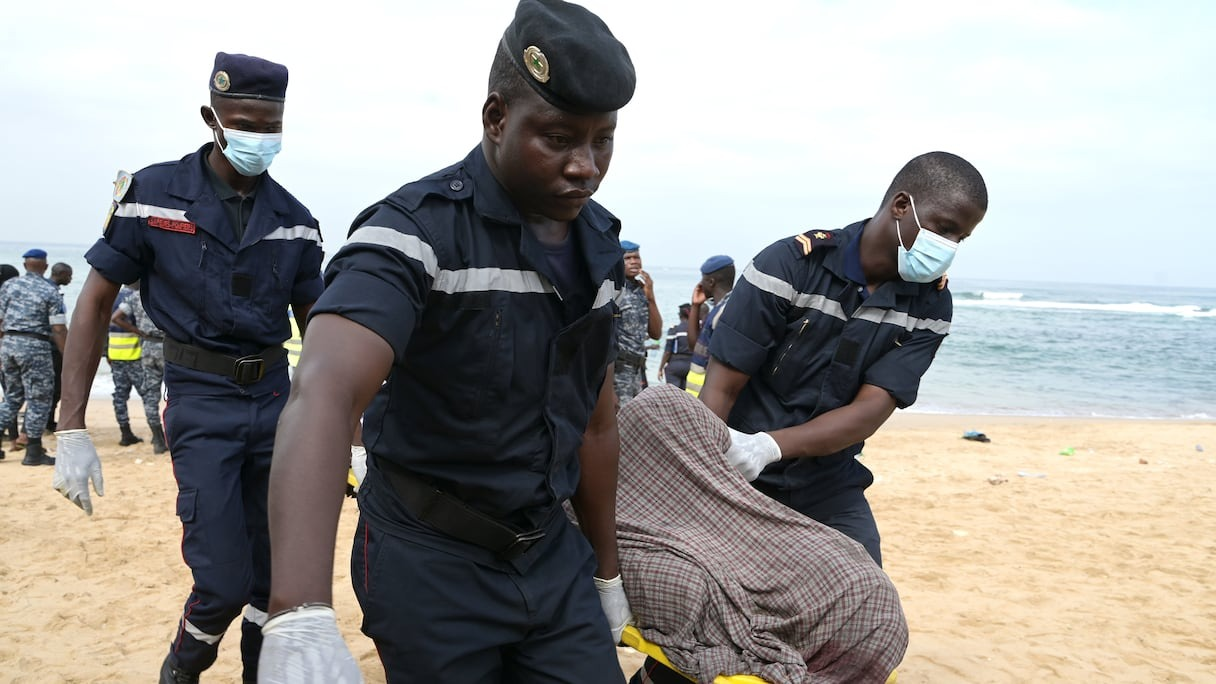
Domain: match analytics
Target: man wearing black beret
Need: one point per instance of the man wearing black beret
(468, 320)
(221, 251)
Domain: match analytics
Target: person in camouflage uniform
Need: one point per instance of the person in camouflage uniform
(130, 316)
(126, 370)
(640, 320)
(31, 316)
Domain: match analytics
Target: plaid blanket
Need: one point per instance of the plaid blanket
(728, 581)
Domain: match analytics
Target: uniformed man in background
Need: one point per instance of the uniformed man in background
(124, 351)
(221, 250)
(473, 310)
(640, 321)
(31, 316)
(61, 277)
(131, 317)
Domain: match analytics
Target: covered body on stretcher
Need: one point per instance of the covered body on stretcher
(727, 585)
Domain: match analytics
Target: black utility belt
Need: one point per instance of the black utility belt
(457, 519)
(631, 359)
(24, 333)
(244, 370)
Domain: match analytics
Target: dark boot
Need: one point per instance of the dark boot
(35, 455)
(172, 675)
(128, 437)
(158, 440)
(1, 454)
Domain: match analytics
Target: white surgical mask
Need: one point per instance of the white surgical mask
(249, 153)
(930, 255)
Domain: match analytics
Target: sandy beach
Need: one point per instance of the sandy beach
(1015, 562)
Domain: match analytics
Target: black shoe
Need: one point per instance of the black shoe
(158, 440)
(128, 437)
(172, 675)
(35, 455)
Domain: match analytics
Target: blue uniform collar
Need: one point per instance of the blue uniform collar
(597, 228)
(845, 262)
(492, 201)
(190, 182)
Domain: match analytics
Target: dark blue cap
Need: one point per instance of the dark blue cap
(628, 246)
(568, 55)
(34, 254)
(715, 263)
(242, 76)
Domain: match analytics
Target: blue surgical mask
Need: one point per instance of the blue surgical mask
(249, 153)
(930, 255)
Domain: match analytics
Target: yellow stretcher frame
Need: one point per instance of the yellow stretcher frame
(632, 638)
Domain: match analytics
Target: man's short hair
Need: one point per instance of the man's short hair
(505, 79)
(940, 175)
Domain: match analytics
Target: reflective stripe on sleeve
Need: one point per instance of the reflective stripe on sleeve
(410, 245)
(903, 320)
(137, 210)
(779, 288)
(830, 307)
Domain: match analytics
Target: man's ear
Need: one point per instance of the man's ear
(493, 116)
(900, 205)
(208, 116)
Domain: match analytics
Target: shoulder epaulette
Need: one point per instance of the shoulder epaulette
(808, 241)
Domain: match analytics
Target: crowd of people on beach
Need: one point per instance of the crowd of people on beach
(33, 318)
(466, 353)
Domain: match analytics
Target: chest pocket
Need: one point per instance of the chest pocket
(799, 363)
(471, 359)
(265, 276)
(184, 274)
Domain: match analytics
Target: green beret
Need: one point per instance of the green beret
(568, 56)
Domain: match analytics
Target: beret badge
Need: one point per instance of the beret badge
(536, 63)
(222, 82)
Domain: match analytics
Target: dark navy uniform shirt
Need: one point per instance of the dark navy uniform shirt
(198, 281)
(802, 326)
(496, 369)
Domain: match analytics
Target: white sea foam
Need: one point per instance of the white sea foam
(1016, 302)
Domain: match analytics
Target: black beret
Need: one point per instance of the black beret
(568, 55)
(242, 76)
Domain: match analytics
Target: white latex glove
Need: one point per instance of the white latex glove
(358, 463)
(615, 605)
(749, 454)
(76, 463)
(304, 646)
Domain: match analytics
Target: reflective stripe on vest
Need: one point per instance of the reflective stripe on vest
(124, 346)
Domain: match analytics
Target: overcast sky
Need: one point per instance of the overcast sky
(1092, 122)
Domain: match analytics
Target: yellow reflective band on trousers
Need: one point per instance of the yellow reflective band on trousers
(694, 382)
(124, 346)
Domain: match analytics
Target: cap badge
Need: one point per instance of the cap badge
(537, 63)
(222, 83)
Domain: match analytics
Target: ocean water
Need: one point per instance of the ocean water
(1015, 348)
(1056, 349)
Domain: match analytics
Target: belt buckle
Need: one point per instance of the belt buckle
(248, 370)
(523, 542)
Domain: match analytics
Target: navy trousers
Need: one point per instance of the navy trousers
(443, 611)
(221, 448)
